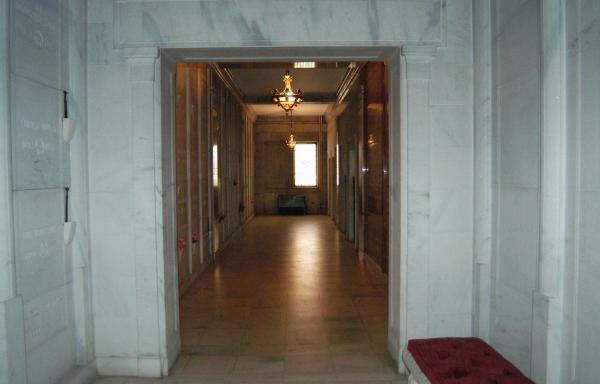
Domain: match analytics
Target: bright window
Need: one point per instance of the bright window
(215, 165)
(337, 164)
(305, 165)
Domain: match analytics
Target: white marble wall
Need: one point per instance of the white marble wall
(6, 256)
(516, 51)
(79, 181)
(544, 114)
(122, 189)
(583, 58)
(38, 155)
(12, 354)
(529, 277)
(258, 22)
(451, 178)
(483, 167)
(36, 294)
(442, 118)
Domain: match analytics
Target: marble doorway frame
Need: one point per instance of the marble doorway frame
(409, 78)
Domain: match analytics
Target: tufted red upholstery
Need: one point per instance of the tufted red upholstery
(463, 361)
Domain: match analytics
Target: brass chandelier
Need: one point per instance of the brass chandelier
(291, 140)
(287, 99)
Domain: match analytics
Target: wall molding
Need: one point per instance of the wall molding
(7, 271)
(139, 23)
(130, 366)
(416, 77)
(148, 241)
(227, 78)
(350, 77)
(548, 326)
(483, 169)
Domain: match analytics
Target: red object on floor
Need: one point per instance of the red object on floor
(463, 361)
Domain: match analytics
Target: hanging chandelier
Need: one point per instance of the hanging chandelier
(291, 140)
(287, 98)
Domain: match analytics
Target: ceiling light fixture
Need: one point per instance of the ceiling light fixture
(371, 140)
(291, 140)
(287, 98)
(305, 64)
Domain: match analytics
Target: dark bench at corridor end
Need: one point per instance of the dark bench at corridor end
(291, 204)
(458, 361)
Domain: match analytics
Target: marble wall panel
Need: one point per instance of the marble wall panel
(6, 254)
(456, 324)
(114, 211)
(52, 360)
(516, 48)
(588, 309)
(451, 179)
(12, 344)
(451, 168)
(43, 270)
(45, 316)
(515, 34)
(40, 162)
(450, 126)
(151, 24)
(113, 171)
(483, 168)
(78, 179)
(451, 76)
(519, 117)
(37, 135)
(451, 255)
(451, 210)
(39, 241)
(510, 330)
(585, 43)
(251, 22)
(37, 46)
(115, 320)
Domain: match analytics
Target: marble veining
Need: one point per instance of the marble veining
(300, 308)
(37, 46)
(584, 38)
(37, 136)
(198, 24)
(480, 133)
(216, 23)
(517, 126)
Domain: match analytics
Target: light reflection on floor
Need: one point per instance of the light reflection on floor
(288, 302)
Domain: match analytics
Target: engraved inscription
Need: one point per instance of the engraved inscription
(44, 317)
(39, 242)
(38, 39)
(37, 141)
(37, 48)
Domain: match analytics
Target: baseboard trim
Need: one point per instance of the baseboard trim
(232, 237)
(151, 367)
(81, 375)
(364, 257)
(250, 218)
(395, 349)
(199, 272)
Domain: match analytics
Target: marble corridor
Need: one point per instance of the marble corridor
(288, 301)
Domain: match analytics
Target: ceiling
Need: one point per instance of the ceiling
(305, 109)
(257, 80)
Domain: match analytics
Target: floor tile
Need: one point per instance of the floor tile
(287, 302)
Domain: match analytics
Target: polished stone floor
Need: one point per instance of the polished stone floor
(288, 301)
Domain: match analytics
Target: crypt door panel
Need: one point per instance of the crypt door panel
(376, 238)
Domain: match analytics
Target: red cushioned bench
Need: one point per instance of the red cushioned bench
(466, 360)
